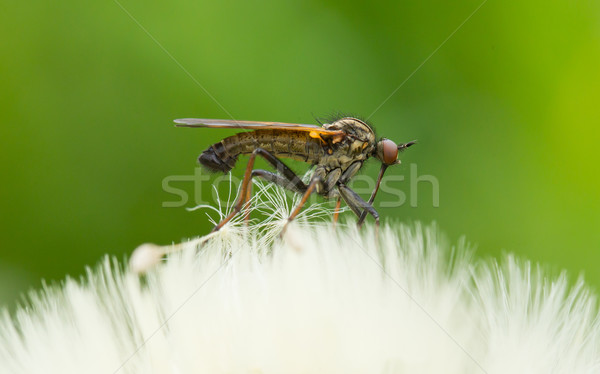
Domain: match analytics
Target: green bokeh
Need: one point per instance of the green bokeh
(506, 112)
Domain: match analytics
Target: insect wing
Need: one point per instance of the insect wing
(253, 125)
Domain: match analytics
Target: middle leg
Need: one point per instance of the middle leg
(316, 183)
(336, 212)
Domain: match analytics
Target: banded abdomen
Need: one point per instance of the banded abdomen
(297, 145)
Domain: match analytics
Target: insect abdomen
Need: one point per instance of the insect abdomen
(215, 160)
(297, 145)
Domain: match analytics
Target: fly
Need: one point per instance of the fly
(337, 150)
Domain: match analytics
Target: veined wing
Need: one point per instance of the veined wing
(315, 131)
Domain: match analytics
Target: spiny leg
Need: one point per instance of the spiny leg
(289, 180)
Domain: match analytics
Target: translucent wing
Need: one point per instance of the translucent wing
(252, 125)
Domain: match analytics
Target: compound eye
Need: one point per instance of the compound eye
(390, 152)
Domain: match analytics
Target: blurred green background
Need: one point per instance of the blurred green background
(506, 113)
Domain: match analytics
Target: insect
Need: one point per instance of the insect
(337, 150)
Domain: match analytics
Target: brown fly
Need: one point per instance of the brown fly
(337, 150)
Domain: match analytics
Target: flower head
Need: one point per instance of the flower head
(319, 300)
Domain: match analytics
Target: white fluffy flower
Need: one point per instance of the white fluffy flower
(321, 300)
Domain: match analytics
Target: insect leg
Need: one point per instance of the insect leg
(336, 212)
(278, 180)
(247, 201)
(311, 187)
(315, 181)
(379, 178)
(356, 203)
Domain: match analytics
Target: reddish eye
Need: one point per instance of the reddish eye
(390, 151)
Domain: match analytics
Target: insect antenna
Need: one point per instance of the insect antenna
(402, 147)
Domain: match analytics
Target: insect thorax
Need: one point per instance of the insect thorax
(358, 145)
